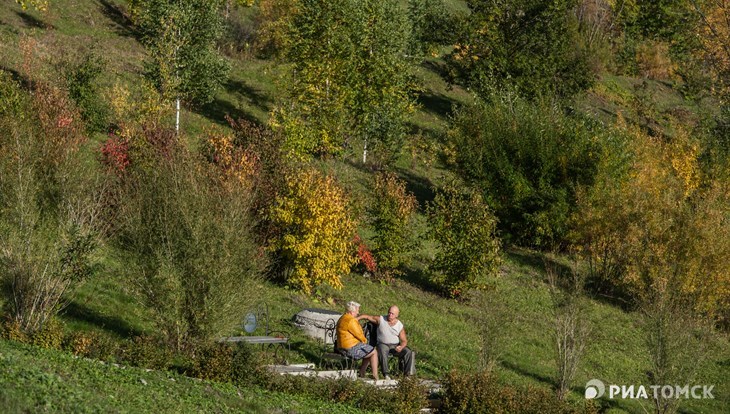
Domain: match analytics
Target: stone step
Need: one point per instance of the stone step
(310, 371)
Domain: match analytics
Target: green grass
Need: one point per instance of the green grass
(39, 380)
(442, 331)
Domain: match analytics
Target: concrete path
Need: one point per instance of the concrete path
(310, 371)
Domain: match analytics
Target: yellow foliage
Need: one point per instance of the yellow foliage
(236, 166)
(661, 228)
(40, 5)
(714, 35)
(142, 105)
(316, 230)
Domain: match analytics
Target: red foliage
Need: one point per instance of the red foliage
(365, 256)
(115, 154)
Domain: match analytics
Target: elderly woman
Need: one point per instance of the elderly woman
(351, 340)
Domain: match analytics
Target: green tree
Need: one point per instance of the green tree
(469, 250)
(350, 81)
(181, 36)
(527, 158)
(393, 212)
(528, 44)
(432, 26)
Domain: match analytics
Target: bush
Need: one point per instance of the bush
(365, 256)
(50, 335)
(315, 231)
(432, 27)
(654, 224)
(11, 330)
(392, 211)
(48, 207)
(79, 343)
(469, 250)
(80, 80)
(189, 233)
(147, 351)
(410, 396)
(213, 361)
(248, 368)
(525, 45)
(481, 393)
(527, 159)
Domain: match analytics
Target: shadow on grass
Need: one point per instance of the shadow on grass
(526, 373)
(437, 104)
(419, 277)
(112, 324)
(436, 67)
(32, 21)
(124, 26)
(25, 83)
(594, 289)
(217, 110)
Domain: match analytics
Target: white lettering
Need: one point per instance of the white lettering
(655, 391)
(707, 392)
(627, 392)
(642, 392)
(613, 390)
(667, 391)
(682, 391)
(696, 388)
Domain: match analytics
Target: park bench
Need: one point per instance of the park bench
(276, 341)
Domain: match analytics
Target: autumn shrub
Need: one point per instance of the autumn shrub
(79, 343)
(528, 159)
(465, 229)
(365, 256)
(213, 361)
(235, 165)
(50, 335)
(263, 152)
(654, 61)
(392, 211)
(115, 154)
(655, 223)
(189, 240)
(93, 344)
(11, 330)
(48, 207)
(481, 392)
(147, 351)
(314, 245)
(410, 396)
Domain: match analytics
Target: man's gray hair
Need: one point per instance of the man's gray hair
(352, 306)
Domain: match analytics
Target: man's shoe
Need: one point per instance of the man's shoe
(387, 378)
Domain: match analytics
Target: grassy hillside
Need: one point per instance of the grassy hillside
(444, 332)
(38, 380)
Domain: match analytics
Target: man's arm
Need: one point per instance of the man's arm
(370, 318)
(403, 340)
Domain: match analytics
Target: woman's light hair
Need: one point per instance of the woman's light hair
(352, 306)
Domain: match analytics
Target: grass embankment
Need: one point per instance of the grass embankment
(39, 380)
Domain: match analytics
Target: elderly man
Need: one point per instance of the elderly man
(392, 340)
(351, 340)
